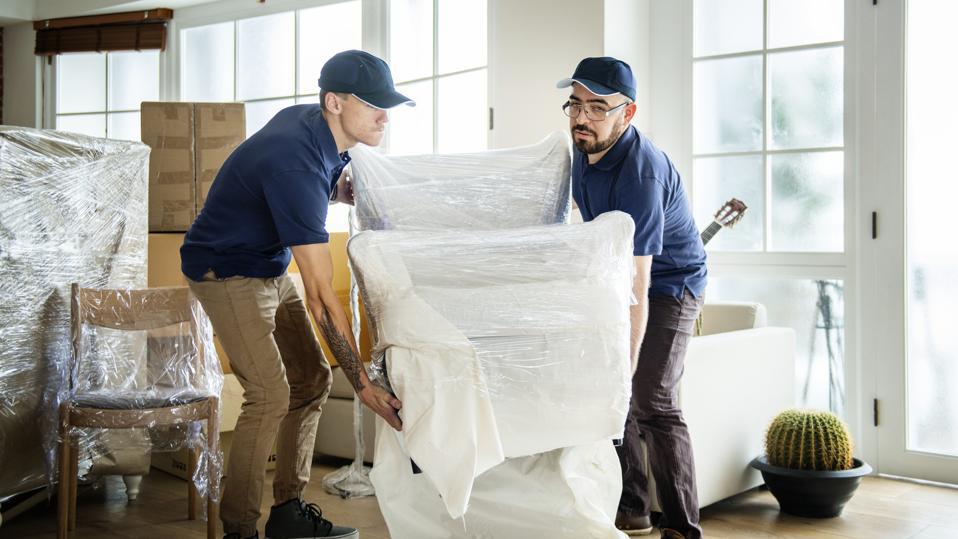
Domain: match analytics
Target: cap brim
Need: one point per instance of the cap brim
(385, 100)
(592, 86)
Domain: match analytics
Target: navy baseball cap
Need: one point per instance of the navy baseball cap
(603, 75)
(363, 75)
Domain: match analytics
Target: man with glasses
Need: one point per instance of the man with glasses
(614, 168)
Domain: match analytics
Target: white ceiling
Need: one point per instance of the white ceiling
(18, 11)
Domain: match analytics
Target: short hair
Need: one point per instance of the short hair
(322, 97)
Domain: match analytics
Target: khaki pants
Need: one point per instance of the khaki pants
(265, 330)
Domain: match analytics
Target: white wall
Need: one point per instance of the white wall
(15, 11)
(532, 44)
(628, 37)
(670, 119)
(21, 77)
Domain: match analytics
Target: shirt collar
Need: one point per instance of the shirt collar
(323, 138)
(619, 150)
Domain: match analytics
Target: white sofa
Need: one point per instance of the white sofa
(334, 436)
(738, 374)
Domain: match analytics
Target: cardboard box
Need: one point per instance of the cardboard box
(190, 142)
(163, 269)
(231, 402)
(219, 129)
(167, 128)
(341, 282)
(163, 260)
(176, 463)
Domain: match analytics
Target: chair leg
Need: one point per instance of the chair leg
(74, 472)
(212, 515)
(191, 470)
(63, 487)
(212, 492)
(132, 483)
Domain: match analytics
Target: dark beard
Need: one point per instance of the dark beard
(597, 146)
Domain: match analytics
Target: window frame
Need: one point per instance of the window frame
(671, 125)
(219, 12)
(435, 76)
(375, 39)
(50, 98)
(786, 264)
(767, 152)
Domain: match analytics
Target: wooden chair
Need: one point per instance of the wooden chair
(133, 310)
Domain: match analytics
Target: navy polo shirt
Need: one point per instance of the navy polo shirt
(271, 193)
(639, 179)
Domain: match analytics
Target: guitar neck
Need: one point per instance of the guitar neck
(710, 232)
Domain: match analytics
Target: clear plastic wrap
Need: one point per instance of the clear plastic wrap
(500, 343)
(498, 189)
(145, 358)
(352, 481)
(72, 209)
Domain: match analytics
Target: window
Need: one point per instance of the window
(99, 94)
(768, 128)
(273, 61)
(270, 58)
(438, 56)
(768, 121)
(931, 262)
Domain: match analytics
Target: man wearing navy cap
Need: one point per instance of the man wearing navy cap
(269, 200)
(617, 168)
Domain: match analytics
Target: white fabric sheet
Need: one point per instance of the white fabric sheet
(500, 344)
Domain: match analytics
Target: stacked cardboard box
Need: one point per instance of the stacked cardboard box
(189, 142)
(164, 270)
(231, 402)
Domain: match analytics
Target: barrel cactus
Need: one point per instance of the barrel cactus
(809, 440)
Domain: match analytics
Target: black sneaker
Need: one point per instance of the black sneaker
(633, 525)
(297, 520)
(236, 535)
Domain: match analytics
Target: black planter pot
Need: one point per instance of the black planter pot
(809, 493)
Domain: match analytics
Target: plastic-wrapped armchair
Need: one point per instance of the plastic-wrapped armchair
(166, 332)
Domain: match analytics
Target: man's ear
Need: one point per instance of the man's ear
(333, 103)
(630, 110)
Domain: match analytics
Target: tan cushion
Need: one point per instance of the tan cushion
(727, 316)
(342, 389)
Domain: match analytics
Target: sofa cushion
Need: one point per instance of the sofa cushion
(732, 316)
(342, 389)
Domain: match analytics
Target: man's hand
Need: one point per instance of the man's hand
(344, 189)
(383, 403)
(639, 313)
(316, 267)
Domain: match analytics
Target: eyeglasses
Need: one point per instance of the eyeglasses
(596, 113)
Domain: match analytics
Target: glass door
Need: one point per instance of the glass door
(916, 270)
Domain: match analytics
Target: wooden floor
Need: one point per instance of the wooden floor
(882, 508)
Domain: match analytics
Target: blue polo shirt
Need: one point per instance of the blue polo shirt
(639, 179)
(271, 193)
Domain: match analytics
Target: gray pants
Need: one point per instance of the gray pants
(655, 417)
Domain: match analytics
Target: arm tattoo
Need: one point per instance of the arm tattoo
(339, 344)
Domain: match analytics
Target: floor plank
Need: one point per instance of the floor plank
(882, 508)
